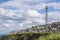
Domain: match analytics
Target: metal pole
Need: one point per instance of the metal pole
(46, 18)
(46, 15)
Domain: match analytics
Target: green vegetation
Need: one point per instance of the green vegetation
(32, 36)
(51, 36)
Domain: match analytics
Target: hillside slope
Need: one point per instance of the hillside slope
(53, 27)
(41, 32)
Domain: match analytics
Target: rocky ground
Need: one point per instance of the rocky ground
(50, 28)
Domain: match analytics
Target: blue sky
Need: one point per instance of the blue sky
(2, 1)
(22, 14)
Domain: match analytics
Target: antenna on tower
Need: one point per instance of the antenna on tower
(46, 18)
(46, 15)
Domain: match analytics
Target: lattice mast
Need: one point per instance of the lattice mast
(46, 19)
(46, 16)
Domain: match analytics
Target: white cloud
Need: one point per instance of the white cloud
(25, 18)
(21, 25)
(55, 5)
(7, 25)
(54, 16)
(26, 15)
(2, 11)
(39, 4)
(20, 19)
